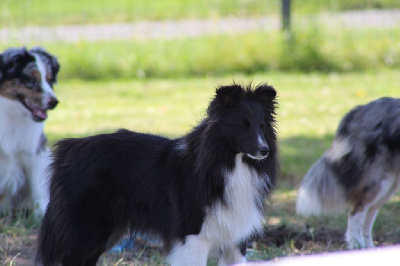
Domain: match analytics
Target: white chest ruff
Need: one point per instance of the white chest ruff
(239, 217)
(12, 176)
(19, 143)
(18, 132)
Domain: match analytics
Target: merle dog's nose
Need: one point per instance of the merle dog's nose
(264, 151)
(52, 103)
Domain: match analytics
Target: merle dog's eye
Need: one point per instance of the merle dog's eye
(246, 123)
(262, 126)
(30, 81)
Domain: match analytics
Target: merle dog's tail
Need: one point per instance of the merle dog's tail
(320, 192)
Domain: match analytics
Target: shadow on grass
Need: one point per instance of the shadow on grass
(298, 154)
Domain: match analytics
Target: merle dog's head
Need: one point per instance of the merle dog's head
(246, 118)
(27, 77)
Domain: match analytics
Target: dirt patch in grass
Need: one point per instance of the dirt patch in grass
(21, 250)
(280, 235)
(18, 249)
(285, 235)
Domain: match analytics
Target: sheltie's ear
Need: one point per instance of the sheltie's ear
(229, 96)
(265, 93)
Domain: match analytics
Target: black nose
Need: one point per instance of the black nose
(264, 151)
(52, 103)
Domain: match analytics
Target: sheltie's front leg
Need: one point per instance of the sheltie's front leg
(192, 251)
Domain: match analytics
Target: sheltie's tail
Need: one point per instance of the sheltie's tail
(46, 253)
(320, 193)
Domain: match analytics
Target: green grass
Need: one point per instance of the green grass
(310, 49)
(48, 12)
(164, 86)
(310, 107)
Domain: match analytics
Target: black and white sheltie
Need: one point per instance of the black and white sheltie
(361, 170)
(26, 81)
(201, 192)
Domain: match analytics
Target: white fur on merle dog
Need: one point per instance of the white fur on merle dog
(361, 170)
(26, 81)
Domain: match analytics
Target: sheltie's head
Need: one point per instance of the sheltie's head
(246, 118)
(27, 77)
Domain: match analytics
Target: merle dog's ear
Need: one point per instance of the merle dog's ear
(55, 66)
(265, 93)
(229, 96)
(11, 58)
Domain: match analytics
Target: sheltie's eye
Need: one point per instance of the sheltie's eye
(246, 123)
(262, 126)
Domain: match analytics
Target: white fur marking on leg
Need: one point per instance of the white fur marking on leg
(354, 233)
(39, 182)
(368, 225)
(359, 225)
(389, 186)
(194, 251)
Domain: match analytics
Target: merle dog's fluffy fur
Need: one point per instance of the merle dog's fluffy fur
(361, 170)
(202, 192)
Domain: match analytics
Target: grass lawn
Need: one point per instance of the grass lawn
(311, 106)
(49, 12)
(170, 98)
(311, 48)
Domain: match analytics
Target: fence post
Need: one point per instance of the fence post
(286, 15)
